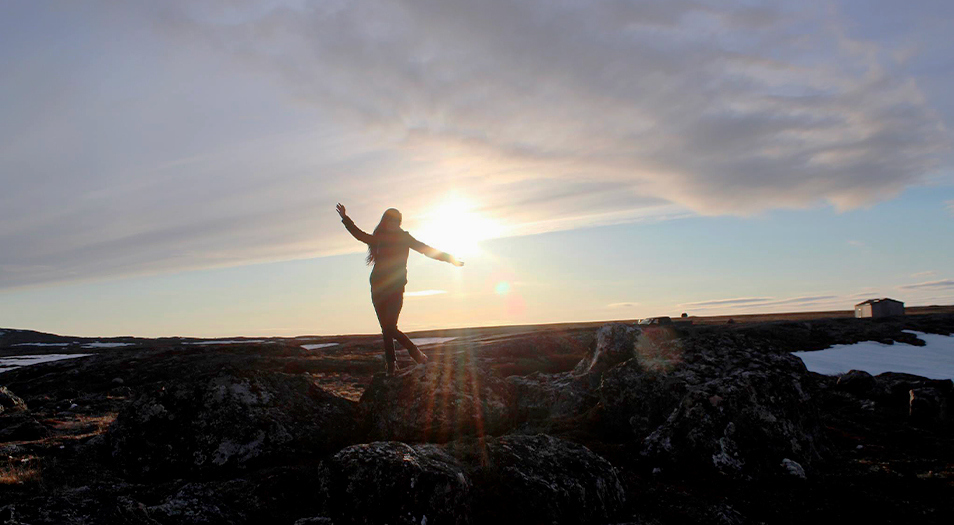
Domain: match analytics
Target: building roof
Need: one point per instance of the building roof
(874, 301)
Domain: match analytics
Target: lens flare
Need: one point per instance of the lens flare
(502, 288)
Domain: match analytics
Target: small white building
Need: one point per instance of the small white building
(884, 307)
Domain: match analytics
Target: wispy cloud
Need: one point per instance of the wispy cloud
(950, 207)
(727, 302)
(622, 305)
(425, 293)
(294, 106)
(930, 285)
(926, 273)
(761, 302)
(856, 244)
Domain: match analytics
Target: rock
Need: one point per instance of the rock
(636, 401)
(857, 382)
(543, 479)
(393, 482)
(9, 402)
(742, 421)
(543, 399)
(926, 405)
(202, 503)
(437, 403)
(230, 421)
(510, 479)
(793, 468)
(893, 389)
(615, 343)
(117, 381)
(21, 427)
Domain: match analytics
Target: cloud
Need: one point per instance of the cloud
(202, 135)
(950, 207)
(930, 285)
(761, 302)
(926, 273)
(622, 305)
(727, 302)
(424, 293)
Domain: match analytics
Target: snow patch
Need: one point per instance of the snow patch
(421, 341)
(42, 344)
(317, 346)
(935, 360)
(228, 342)
(18, 361)
(99, 344)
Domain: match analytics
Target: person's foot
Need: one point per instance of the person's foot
(423, 359)
(392, 367)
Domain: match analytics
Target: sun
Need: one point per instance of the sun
(456, 227)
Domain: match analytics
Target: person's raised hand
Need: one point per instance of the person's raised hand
(456, 262)
(341, 210)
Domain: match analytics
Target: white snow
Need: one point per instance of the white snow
(421, 341)
(99, 344)
(41, 344)
(317, 346)
(935, 360)
(228, 342)
(17, 361)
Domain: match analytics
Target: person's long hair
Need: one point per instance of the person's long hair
(378, 234)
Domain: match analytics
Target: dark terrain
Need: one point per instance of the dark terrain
(694, 423)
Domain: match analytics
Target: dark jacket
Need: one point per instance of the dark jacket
(390, 251)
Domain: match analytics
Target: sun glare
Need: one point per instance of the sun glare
(455, 227)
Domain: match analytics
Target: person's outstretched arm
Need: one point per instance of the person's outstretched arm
(356, 232)
(433, 253)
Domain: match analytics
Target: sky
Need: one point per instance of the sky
(171, 168)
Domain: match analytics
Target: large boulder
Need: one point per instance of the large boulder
(857, 382)
(437, 403)
(740, 412)
(10, 402)
(227, 422)
(615, 343)
(510, 479)
(393, 482)
(543, 479)
(547, 402)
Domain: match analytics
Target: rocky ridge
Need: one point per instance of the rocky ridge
(649, 426)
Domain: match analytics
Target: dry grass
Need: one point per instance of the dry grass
(21, 471)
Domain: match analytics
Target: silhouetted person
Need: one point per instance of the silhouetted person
(388, 250)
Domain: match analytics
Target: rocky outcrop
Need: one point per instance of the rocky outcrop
(21, 426)
(754, 419)
(715, 404)
(511, 479)
(857, 382)
(436, 403)
(542, 479)
(10, 402)
(615, 343)
(393, 482)
(227, 422)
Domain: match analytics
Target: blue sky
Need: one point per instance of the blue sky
(173, 168)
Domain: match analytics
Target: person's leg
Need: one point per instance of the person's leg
(412, 349)
(381, 308)
(405, 341)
